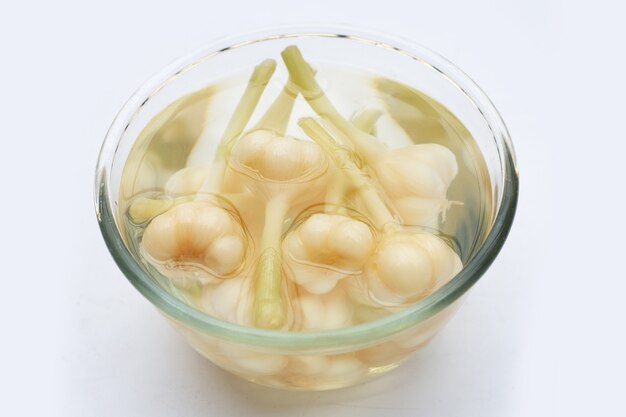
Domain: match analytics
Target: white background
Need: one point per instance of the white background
(542, 333)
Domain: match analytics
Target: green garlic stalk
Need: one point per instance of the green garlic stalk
(415, 178)
(206, 180)
(344, 159)
(242, 114)
(269, 309)
(365, 120)
(143, 208)
(277, 116)
(304, 78)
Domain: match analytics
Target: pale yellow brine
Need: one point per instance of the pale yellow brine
(303, 197)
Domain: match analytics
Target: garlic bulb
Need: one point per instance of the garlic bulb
(277, 159)
(416, 178)
(196, 236)
(408, 266)
(326, 248)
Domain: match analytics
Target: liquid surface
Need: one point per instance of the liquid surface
(185, 136)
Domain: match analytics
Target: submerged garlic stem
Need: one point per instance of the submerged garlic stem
(302, 75)
(144, 208)
(335, 194)
(241, 116)
(269, 308)
(343, 160)
(366, 120)
(276, 118)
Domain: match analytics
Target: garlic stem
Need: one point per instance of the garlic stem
(366, 120)
(335, 194)
(144, 208)
(302, 75)
(343, 159)
(269, 308)
(241, 116)
(276, 118)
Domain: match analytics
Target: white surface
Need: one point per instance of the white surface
(542, 333)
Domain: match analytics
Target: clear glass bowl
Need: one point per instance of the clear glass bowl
(334, 358)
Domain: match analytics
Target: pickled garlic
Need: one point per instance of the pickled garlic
(326, 248)
(301, 232)
(407, 263)
(196, 236)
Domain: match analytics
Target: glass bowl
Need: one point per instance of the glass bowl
(327, 359)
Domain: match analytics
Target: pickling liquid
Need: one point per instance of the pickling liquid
(187, 132)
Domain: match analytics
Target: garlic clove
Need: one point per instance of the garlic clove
(324, 372)
(250, 362)
(314, 231)
(307, 365)
(275, 158)
(404, 267)
(143, 209)
(197, 230)
(421, 211)
(159, 238)
(408, 266)
(416, 178)
(260, 365)
(402, 176)
(251, 147)
(352, 240)
(437, 157)
(229, 300)
(383, 355)
(322, 312)
(284, 159)
(343, 370)
(312, 278)
(225, 254)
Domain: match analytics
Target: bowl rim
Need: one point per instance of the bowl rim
(362, 334)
